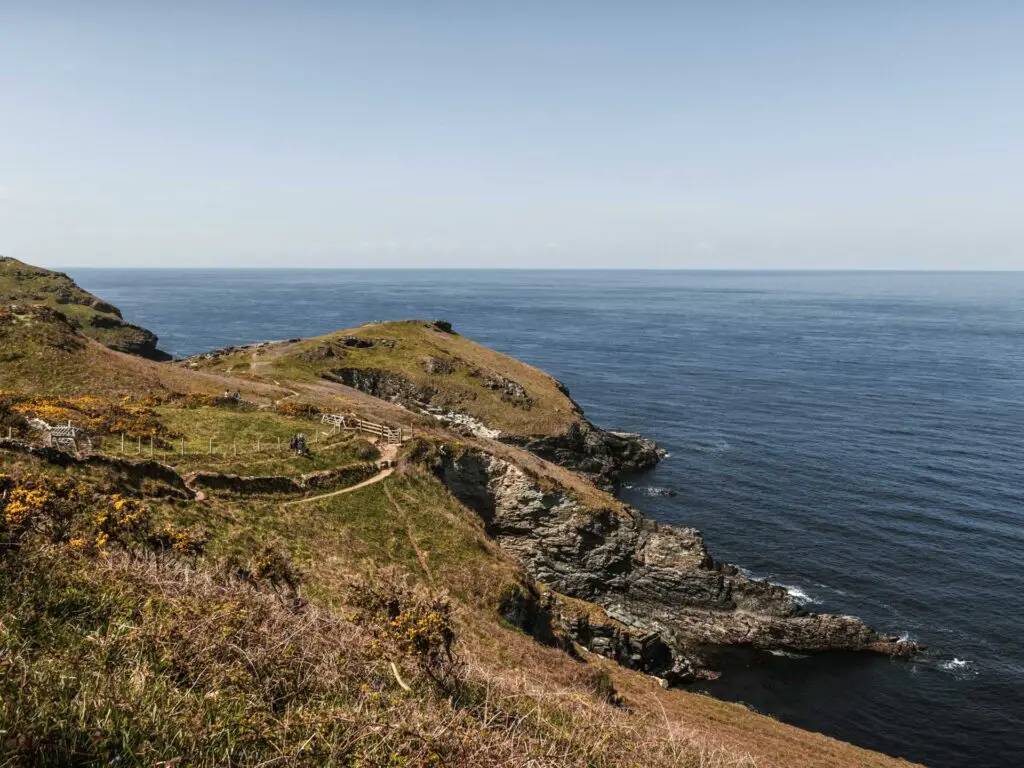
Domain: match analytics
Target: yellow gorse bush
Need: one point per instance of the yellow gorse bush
(92, 413)
(23, 503)
(58, 510)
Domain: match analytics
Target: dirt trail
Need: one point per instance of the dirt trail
(388, 453)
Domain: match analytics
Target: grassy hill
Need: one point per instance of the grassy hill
(25, 285)
(284, 612)
(415, 363)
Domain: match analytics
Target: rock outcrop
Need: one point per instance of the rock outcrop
(602, 455)
(676, 605)
(130, 338)
(382, 383)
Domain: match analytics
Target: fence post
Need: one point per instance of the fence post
(122, 442)
(138, 447)
(151, 446)
(234, 448)
(257, 443)
(211, 446)
(279, 442)
(183, 446)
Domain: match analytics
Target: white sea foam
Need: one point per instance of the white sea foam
(957, 665)
(961, 669)
(788, 654)
(712, 446)
(798, 594)
(655, 490)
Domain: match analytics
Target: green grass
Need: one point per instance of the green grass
(27, 285)
(462, 389)
(236, 435)
(408, 520)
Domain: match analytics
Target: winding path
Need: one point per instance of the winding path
(387, 456)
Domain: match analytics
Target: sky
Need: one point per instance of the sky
(819, 134)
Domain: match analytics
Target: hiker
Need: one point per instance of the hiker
(237, 396)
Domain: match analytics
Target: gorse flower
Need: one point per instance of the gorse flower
(57, 510)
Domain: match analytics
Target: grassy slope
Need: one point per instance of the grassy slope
(408, 521)
(25, 285)
(415, 342)
(174, 662)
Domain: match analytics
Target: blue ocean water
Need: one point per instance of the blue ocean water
(855, 436)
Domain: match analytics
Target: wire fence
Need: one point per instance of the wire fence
(211, 445)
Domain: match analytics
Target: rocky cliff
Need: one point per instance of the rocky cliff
(602, 455)
(674, 604)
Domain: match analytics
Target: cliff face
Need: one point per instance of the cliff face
(602, 455)
(675, 604)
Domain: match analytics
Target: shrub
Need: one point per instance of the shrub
(410, 623)
(40, 505)
(181, 541)
(55, 510)
(93, 414)
(297, 410)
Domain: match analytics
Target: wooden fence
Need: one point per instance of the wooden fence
(391, 435)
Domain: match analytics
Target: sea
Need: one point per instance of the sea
(857, 437)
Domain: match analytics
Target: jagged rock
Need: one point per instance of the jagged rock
(360, 343)
(102, 306)
(652, 578)
(512, 392)
(381, 383)
(604, 456)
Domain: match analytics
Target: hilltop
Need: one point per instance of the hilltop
(184, 587)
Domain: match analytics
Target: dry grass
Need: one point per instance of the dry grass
(169, 661)
(141, 660)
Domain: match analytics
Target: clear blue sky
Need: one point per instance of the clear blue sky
(827, 134)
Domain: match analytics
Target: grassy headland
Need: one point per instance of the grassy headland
(144, 623)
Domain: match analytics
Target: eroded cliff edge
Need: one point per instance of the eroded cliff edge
(601, 455)
(674, 605)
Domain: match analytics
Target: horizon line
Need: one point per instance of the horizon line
(886, 270)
